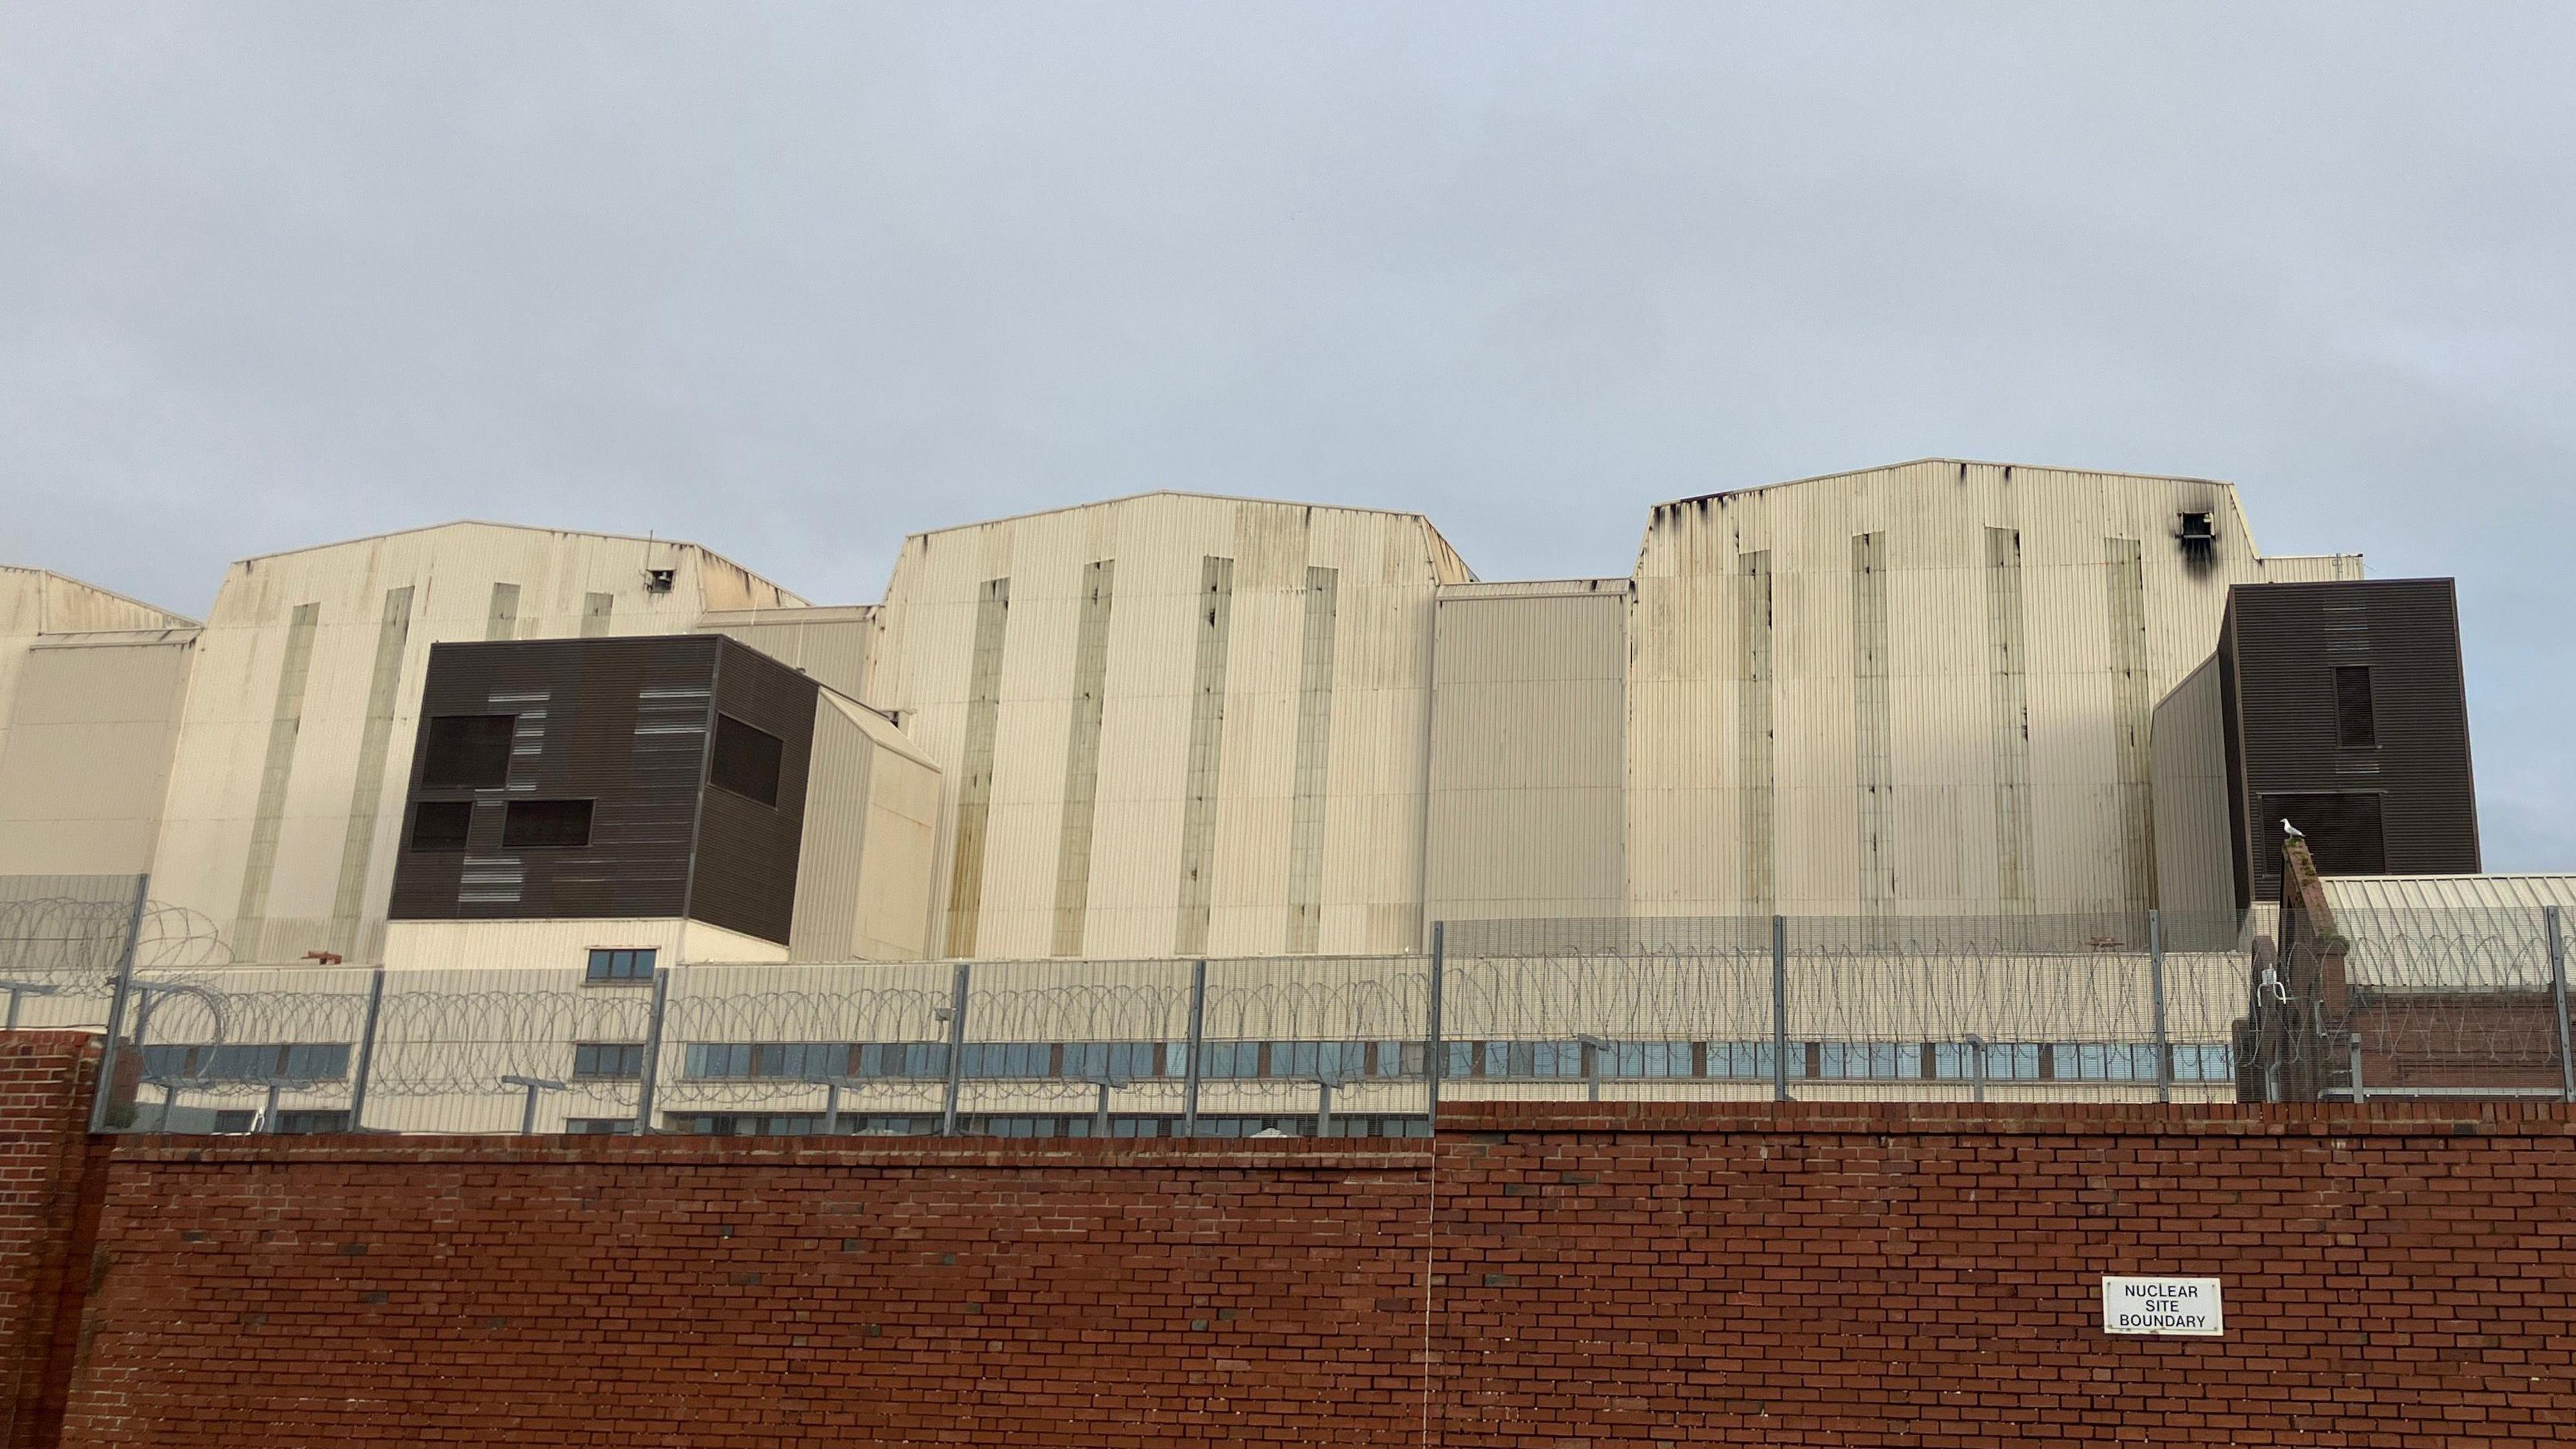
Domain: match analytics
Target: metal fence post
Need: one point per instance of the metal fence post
(2156, 987)
(116, 1006)
(366, 1062)
(1779, 1008)
(1435, 1053)
(2558, 988)
(1323, 1106)
(2360, 1093)
(956, 1052)
(652, 1076)
(1977, 1061)
(1190, 1064)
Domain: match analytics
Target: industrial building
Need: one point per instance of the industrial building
(1967, 725)
(1174, 726)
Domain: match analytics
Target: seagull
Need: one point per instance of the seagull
(2289, 831)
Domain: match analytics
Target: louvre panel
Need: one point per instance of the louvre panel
(2301, 662)
(620, 723)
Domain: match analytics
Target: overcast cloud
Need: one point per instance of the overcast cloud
(794, 281)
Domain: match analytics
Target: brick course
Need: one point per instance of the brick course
(1814, 1274)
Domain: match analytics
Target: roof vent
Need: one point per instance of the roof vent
(658, 581)
(2199, 537)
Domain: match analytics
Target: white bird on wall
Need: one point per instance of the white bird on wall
(2289, 831)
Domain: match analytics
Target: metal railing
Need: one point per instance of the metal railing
(1932, 1008)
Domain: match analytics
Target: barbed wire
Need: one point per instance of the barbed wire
(2437, 1000)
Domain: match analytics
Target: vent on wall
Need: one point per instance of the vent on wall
(2198, 536)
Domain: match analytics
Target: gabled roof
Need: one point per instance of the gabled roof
(1948, 462)
(646, 539)
(46, 577)
(1424, 518)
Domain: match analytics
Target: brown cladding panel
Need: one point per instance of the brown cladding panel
(618, 722)
(747, 851)
(2280, 649)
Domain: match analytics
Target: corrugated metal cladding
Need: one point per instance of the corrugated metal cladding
(2435, 893)
(1082, 756)
(864, 870)
(1207, 754)
(1527, 787)
(835, 645)
(1364, 724)
(1314, 762)
(1927, 812)
(2195, 885)
(2391, 791)
(620, 728)
(366, 795)
(2009, 703)
(975, 771)
(1871, 723)
(1759, 868)
(85, 739)
(468, 582)
(283, 732)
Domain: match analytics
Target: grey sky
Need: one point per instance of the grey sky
(794, 281)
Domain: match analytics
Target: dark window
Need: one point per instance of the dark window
(441, 824)
(467, 752)
(545, 824)
(249, 1062)
(236, 1121)
(599, 1126)
(745, 761)
(2342, 830)
(2356, 723)
(610, 1061)
(319, 1120)
(618, 964)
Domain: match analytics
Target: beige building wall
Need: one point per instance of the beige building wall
(562, 945)
(89, 682)
(835, 644)
(86, 759)
(1528, 766)
(2195, 851)
(1249, 666)
(864, 865)
(294, 752)
(1939, 631)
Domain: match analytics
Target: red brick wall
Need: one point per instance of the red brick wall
(1810, 1275)
(46, 1163)
(737, 1292)
(1931, 1275)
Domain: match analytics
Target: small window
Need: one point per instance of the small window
(745, 761)
(235, 1121)
(441, 824)
(620, 964)
(608, 1061)
(467, 751)
(2356, 722)
(546, 825)
(319, 1120)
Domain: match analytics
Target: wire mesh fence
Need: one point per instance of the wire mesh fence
(1955, 1008)
(2461, 1001)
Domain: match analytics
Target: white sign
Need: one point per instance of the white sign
(2162, 1306)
